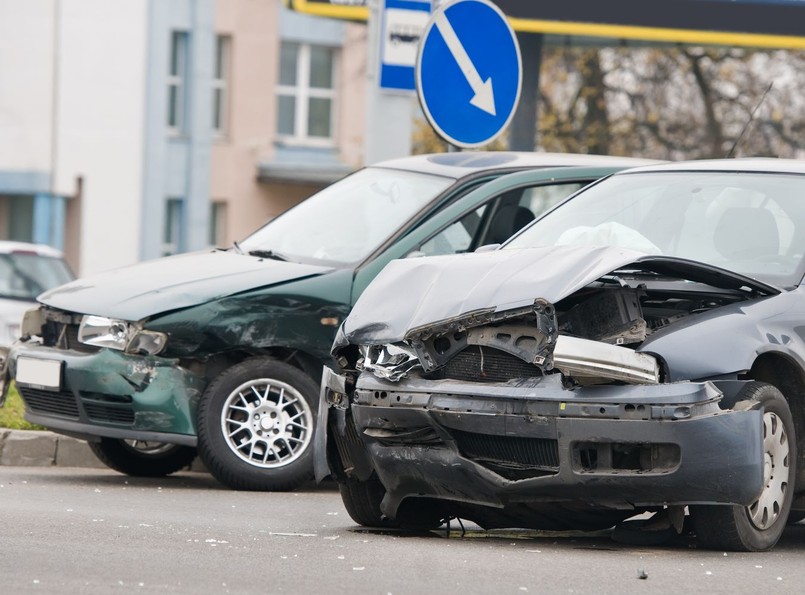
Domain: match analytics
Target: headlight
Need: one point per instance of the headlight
(119, 334)
(390, 362)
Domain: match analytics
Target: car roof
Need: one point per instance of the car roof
(463, 163)
(10, 247)
(743, 164)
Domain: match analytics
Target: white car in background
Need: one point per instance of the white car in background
(26, 270)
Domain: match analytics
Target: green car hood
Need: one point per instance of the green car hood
(172, 283)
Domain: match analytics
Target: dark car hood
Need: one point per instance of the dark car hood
(415, 292)
(156, 286)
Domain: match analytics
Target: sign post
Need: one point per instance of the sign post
(468, 72)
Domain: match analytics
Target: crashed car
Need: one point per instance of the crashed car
(638, 349)
(222, 350)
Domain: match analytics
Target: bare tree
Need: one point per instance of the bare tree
(672, 102)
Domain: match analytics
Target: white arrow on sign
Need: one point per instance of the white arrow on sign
(484, 98)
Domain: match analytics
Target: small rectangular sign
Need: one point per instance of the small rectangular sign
(44, 373)
(403, 24)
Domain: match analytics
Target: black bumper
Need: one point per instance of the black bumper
(504, 445)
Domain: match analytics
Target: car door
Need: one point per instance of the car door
(487, 215)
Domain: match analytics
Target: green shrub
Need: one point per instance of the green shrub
(11, 415)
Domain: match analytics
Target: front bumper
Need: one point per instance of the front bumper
(111, 394)
(502, 445)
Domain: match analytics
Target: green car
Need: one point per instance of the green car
(220, 352)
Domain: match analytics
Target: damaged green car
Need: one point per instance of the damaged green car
(220, 352)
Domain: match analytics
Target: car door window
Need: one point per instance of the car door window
(498, 219)
(517, 208)
(456, 237)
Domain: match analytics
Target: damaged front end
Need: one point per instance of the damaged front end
(499, 345)
(502, 415)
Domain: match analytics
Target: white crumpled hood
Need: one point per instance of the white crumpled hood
(416, 292)
(413, 292)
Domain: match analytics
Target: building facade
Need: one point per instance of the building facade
(134, 129)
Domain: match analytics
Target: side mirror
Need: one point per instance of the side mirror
(415, 254)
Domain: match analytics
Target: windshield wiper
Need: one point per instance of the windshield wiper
(268, 254)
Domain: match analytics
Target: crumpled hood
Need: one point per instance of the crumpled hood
(171, 283)
(414, 292)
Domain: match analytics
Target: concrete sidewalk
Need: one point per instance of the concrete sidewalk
(32, 448)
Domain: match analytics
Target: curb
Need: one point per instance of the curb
(37, 448)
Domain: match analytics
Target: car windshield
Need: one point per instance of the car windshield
(24, 275)
(750, 223)
(347, 221)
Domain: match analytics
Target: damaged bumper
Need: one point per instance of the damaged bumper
(533, 441)
(107, 393)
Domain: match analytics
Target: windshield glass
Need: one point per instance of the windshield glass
(345, 222)
(750, 223)
(24, 275)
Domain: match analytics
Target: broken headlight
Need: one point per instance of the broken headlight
(121, 335)
(390, 362)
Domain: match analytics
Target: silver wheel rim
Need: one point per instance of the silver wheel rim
(766, 510)
(149, 447)
(267, 423)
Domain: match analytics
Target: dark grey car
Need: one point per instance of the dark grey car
(640, 348)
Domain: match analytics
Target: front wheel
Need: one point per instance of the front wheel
(759, 526)
(142, 458)
(255, 426)
(362, 501)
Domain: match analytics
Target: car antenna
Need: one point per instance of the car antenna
(749, 121)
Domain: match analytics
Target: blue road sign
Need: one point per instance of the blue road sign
(468, 72)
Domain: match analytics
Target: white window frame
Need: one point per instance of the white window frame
(218, 220)
(221, 85)
(173, 227)
(303, 92)
(179, 46)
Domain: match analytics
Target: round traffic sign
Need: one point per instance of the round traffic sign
(468, 72)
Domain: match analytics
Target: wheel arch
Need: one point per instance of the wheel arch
(304, 361)
(787, 376)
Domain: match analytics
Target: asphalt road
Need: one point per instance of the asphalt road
(72, 530)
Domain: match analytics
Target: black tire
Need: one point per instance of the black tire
(255, 426)
(141, 458)
(757, 527)
(362, 501)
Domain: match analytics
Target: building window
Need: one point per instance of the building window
(173, 238)
(306, 93)
(18, 212)
(177, 79)
(220, 85)
(217, 235)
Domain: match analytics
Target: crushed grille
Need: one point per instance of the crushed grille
(485, 364)
(68, 333)
(61, 403)
(512, 457)
(105, 413)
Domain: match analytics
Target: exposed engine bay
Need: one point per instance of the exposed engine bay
(591, 336)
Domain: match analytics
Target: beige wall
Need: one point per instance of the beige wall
(254, 27)
(352, 96)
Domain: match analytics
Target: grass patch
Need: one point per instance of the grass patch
(11, 415)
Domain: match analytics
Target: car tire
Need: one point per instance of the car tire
(362, 501)
(143, 458)
(255, 426)
(757, 527)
